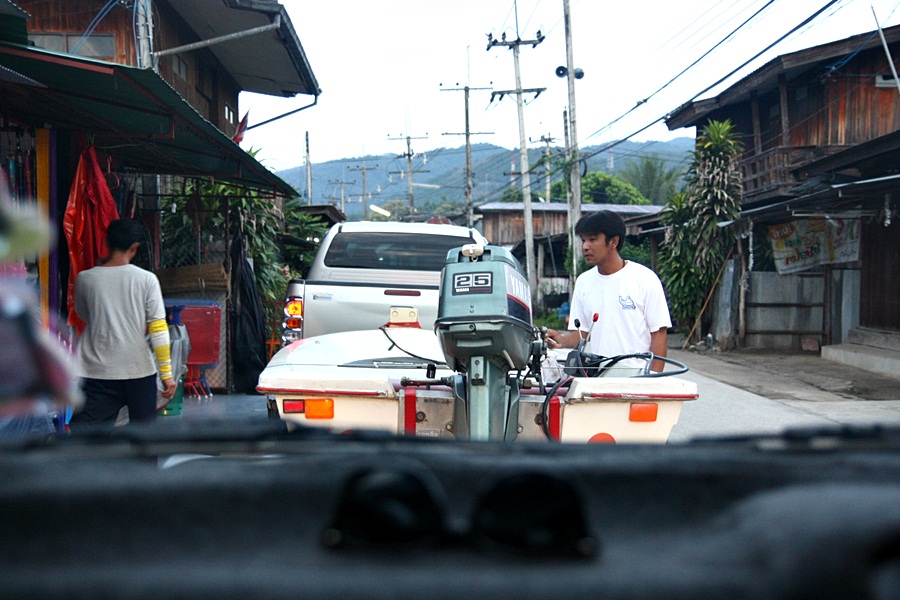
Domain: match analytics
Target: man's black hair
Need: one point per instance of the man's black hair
(122, 233)
(606, 222)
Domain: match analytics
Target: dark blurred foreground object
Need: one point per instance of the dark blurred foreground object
(35, 373)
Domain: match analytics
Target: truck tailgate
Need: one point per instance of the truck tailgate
(333, 307)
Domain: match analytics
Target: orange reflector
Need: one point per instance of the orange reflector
(293, 323)
(602, 438)
(320, 408)
(643, 412)
(294, 308)
(293, 406)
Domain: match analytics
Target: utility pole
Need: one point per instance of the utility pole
(342, 183)
(470, 217)
(570, 202)
(365, 196)
(547, 140)
(574, 156)
(523, 148)
(409, 169)
(144, 26)
(308, 173)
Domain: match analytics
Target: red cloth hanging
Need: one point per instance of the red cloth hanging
(89, 212)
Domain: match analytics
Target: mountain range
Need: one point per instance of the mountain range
(439, 175)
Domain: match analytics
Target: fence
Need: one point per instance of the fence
(192, 268)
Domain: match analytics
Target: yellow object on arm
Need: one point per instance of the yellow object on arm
(159, 340)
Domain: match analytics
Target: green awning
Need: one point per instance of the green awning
(133, 114)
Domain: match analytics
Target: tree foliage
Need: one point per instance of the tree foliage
(652, 178)
(598, 187)
(512, 194)
(677, 268)
(714, 192)
(696, 245)
(308, 229)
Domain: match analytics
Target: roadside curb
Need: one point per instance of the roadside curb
(789, 376)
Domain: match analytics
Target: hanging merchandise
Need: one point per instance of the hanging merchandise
(31, 173)
(12, 176)
(90, 210)
(20, 172)
(248, 321)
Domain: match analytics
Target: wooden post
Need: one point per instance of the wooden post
(785, 123)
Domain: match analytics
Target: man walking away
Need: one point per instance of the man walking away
(120, 303)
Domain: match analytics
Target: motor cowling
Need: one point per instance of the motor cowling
(484, 308)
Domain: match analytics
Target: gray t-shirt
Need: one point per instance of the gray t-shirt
(117, 303)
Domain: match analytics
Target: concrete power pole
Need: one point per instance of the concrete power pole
(308, 173)
(574, 157)
(409, 169)
(547, 140)
(523, 148)
(144, 25)
(342, 183)
(470, 217)
(365, 194)
(571, 207)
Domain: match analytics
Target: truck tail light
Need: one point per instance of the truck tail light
(293, 323)
(294, 308)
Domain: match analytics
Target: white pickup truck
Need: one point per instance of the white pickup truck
(362, 269)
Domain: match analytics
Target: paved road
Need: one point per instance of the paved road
(768, 393)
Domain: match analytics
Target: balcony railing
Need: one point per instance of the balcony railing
(769, 173)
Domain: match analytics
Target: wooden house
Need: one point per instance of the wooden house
(820, 132)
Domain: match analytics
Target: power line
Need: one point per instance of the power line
(721, 79)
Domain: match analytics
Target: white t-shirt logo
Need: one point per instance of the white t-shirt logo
(627, 303)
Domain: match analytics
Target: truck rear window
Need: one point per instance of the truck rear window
(392, 251)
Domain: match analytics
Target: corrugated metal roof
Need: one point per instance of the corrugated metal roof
(132, 113)
(559, 207)
(13, 9)
(766, 77)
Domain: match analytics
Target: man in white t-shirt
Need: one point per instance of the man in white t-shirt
(121, 303)
(627, 297)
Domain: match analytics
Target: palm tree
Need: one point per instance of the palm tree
(653, 179)
(696, 246)
(714, 193)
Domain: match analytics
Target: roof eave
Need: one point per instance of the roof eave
(693, 113)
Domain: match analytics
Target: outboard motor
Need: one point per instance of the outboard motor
(485, 331)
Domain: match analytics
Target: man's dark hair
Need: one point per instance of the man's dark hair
(606, 222)
(122, 233)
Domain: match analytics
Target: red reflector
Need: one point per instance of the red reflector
(602, 438)
(294, 406)
(555, 418)
(402, 293)
(293, 323)
(643, 412)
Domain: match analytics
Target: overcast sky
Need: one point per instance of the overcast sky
(382, 66)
